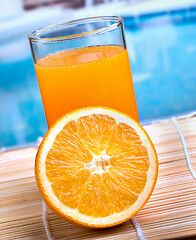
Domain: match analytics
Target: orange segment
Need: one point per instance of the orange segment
(96, 167)
(95, 130)
(70, 189)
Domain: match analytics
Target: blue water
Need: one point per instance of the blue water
(162, 51)
(163, 61)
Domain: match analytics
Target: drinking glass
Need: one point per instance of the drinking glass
(83, 63)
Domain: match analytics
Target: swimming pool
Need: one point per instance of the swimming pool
(162, 49)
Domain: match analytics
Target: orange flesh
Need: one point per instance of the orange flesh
(94, 76)
(97, 166)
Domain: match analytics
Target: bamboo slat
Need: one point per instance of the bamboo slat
(170, 212)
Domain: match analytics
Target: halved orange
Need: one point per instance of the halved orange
(96, 167)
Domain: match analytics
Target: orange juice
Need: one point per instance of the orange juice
(93, 76)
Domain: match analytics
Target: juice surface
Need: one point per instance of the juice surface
(93, 76)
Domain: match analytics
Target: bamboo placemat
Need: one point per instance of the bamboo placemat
(170, 212)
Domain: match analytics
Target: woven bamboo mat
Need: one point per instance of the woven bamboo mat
(170, 212)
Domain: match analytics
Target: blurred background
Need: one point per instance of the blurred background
(161, 40)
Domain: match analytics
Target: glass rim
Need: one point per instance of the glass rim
(34, 36)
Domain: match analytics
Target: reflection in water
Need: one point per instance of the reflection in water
(162, 56)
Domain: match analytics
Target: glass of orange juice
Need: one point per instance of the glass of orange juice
(83, 63)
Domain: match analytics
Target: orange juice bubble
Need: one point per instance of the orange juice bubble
(93, 76)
